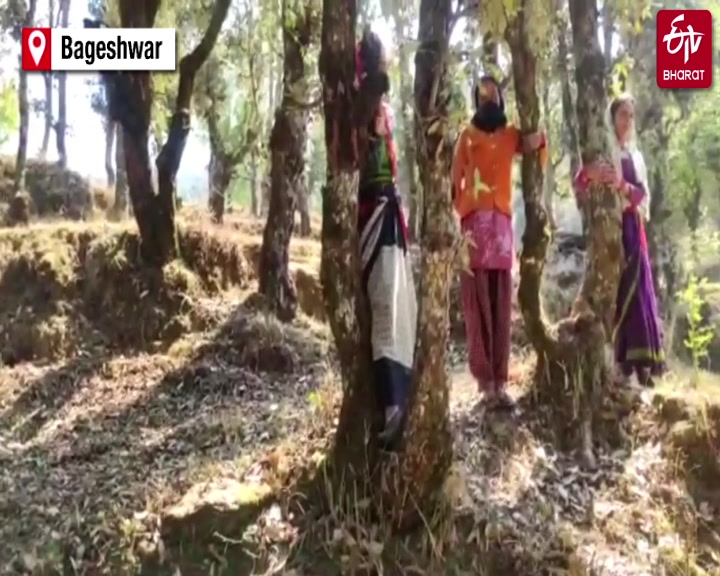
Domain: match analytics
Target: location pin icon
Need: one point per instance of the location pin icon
(36, 45)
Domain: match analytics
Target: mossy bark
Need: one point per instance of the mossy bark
(571, 358)
(287, 156)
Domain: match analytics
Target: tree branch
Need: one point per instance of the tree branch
(192, 62)
(463, 11)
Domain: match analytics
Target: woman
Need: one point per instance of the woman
(482, 188)
(637, 337)
(387, 272)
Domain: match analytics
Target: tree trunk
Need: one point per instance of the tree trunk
(47, 129)
(131, 105)
(411, 479)
(23, 110)
(61, 124)
(287, 164)
(120, 206)
(109, 126)
(340, 270)
(220, 175)
(427, 444)
(577, 354)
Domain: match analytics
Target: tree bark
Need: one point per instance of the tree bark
(288, 140)
(61, 124)
(427, 444)
(340, 259)
(577, 354)
(28, 18)
(109, 126)
(132, 102)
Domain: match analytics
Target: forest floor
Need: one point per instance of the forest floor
(167, 425)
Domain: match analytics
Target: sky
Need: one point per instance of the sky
(85, 140)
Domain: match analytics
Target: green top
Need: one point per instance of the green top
(377, 168)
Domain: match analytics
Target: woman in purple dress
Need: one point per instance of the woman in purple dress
(637, 338)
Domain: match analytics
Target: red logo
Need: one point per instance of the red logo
(684, 49)
(36, 49)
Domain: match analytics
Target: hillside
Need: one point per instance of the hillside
(167, 423)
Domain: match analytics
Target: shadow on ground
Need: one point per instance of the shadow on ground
(90, 445)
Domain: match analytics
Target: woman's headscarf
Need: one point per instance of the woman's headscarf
(632, 149)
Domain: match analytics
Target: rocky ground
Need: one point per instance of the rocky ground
(188, 454)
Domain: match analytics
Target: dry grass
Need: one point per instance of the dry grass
(55, 192)
(197, 454)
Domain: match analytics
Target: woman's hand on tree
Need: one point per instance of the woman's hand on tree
(532, 142)
(602, 173)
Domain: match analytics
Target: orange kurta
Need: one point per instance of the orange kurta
(482, 169)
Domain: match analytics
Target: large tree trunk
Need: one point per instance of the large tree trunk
(340, 270)
(577, 356)
(427, 446)
(61, 124)
(131, 105)
(28, 18)
(109, 127)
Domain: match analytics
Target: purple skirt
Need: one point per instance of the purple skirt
(638, 338)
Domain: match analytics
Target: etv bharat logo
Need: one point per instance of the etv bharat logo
(684, 49)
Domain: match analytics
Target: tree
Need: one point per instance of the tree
(233, 123)
(131, 98)
(48, 102)
(410, 481)
(21, 16)
(288, 141)
(61, 124)
(577, 354)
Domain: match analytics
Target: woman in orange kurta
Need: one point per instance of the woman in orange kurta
(482, 184)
